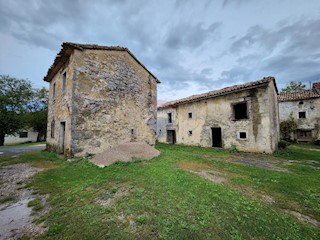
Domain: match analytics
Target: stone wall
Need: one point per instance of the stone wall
(114, 101)
(261, 127)
(60, 110)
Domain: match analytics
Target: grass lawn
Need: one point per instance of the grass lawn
(166, 198)
(23, 144)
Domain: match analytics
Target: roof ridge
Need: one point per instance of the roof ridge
(63, 55)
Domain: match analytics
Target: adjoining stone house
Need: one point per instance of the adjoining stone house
(304, 107)
(245, 116)
(99, 96)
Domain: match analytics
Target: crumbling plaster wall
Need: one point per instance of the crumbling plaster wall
(312, 109)
(218, 112)
(114, 101)
(59, 109)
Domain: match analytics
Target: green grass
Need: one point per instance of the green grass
(300, 152)
(23, 144)
(161, 200)
(36, 205)
(7, 199)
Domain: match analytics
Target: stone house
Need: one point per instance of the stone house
(99, 96)
(304, 107)
(243, 115)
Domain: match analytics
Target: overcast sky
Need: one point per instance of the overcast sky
(191, 46)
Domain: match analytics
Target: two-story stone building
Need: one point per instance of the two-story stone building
(99, 96)
(243, 115)
(304, 108)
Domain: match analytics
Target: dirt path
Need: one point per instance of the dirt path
(15, 215)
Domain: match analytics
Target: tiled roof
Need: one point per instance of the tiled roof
(67, 49)
(224, 91)
(305, 94)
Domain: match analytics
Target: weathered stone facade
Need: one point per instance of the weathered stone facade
(304, 107)
(108, 97)
(200, 119)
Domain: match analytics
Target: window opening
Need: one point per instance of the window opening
(64, 81)
(169, 117)
(243, 135)
(240, 111)
(302, 114)
(23, 134)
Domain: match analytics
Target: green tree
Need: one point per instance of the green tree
(293, 87)
(14, 97)
(36, 117)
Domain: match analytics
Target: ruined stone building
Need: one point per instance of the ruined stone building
(245, 116)
(99, 96)
(304, 108)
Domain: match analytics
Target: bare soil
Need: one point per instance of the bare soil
(15, 215)
(125, 152)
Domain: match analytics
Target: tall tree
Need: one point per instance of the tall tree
(293, 87)
(37, 112)
(14, 97)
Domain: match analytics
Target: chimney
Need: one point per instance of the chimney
(316, 86)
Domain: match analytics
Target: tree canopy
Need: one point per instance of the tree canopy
(293, 87)
(21, 106)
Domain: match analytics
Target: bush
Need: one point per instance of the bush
(233, 149)
(283, 144)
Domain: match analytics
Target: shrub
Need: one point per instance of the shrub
(287, 127)
(233, 149)
(283, 144)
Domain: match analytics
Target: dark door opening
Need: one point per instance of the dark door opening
(216, 137)
(62, 137)
(171, 136)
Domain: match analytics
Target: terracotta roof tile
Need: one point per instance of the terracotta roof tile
(220, 92)
(305, 94)
(67, 48)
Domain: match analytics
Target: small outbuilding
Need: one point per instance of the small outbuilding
(245, 116)
(304, 108)
(99, 97)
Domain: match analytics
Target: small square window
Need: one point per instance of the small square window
(243, 135)
(190, 114)
(302, 114)
(301, 102)
(190, 133)
(23, 134)
(169, 117)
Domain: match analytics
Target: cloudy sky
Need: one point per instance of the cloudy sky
(192, 46)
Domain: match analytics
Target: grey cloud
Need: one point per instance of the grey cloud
(302, 35)
(184, 35)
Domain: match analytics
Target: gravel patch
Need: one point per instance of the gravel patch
(15, 216)
(125, 152)
(213, 176)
